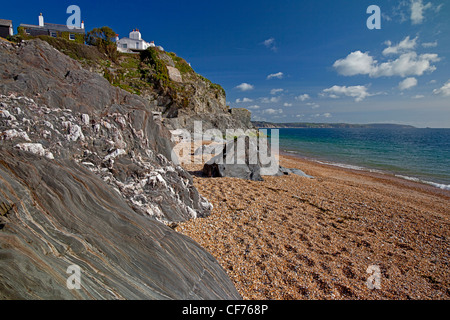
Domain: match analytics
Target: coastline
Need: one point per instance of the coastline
(427, 186)
(414, 154)
(295, 238)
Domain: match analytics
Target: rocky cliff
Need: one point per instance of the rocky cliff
(183, 96)
(85, 179)
(167, 82)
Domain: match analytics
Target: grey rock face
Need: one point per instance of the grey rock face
(76, 114)
(195, 99)
(62, 214)
(85, 179)
(242, 117)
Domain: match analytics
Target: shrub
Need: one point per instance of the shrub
(104, 39)
(160, 74)
(181, 64)
(77, 51)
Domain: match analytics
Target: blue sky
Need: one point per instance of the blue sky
(295, 61)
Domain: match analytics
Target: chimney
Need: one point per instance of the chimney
(82, 24)
(41, 20)
(117, 38)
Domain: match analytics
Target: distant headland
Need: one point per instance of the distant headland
(263, 124)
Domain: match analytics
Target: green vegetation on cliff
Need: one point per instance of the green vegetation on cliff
(165, 80)
(180, 64)
(135, 73)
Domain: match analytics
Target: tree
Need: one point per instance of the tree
(104, 39)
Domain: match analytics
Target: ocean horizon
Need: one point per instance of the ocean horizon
(416, 154)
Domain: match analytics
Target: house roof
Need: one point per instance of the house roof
(53, 27)
(5, 23)
(126, 38)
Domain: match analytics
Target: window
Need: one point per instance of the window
(71, 36)
(124, 46)
(137, 45)
(53, 34)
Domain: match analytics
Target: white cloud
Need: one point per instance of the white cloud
(270, 44)
(399, 12)
(303, 97)
(276, 91)
(408, 64)
(255, 107)
(413, 9)
(245, 87)
(403, 46)
(355, 63)
(438, 8)
(386, 17)
(417, 11)
(408, 83)
(244, 100)
(278, 75)
(313, 105)
(430, 44)
(357, 92)
(287, 104)
(255, 117)
(270, 100)
(444, 90)
(419, 96)
(273, 111)
(325, 115)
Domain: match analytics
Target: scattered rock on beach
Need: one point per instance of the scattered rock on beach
(235, 164)
(244, 164)
(285, 171)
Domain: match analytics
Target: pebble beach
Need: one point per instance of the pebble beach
(291, 237)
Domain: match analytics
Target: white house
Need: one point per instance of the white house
(52, 29)
(133, 43)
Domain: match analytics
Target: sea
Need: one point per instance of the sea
(421, 155)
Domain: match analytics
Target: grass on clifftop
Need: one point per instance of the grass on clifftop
(135, 73)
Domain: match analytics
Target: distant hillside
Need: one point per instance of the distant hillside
(263, 124)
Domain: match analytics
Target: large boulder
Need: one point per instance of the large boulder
(239, 159)
(56, 214)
